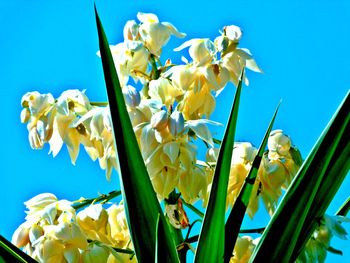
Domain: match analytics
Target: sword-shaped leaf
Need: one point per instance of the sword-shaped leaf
(161, 248)
(141, 204)
(234, 221)
(11, 253)
(318, 179)
(333, 177)
(212, 236)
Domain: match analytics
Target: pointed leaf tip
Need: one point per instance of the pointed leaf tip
(235, 219)
(212, 237)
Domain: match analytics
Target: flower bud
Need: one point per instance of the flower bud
(159, 120)
(176, 123)
(20, 237)
(279, 142)
(233, 33)
(132, 96)
(25, 115)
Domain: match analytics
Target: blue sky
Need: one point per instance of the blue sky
(50, 46)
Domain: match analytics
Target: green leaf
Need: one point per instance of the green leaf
(211, 239)
(11, 253)
(234, 221)
(161, 247)
(309, 194)
(344, 209)
(140, 200)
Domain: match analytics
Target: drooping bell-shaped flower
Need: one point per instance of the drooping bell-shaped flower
(156, 34)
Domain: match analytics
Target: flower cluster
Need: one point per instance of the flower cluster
(279, 165)
(169, 107)
(59, 121)
(169, 111)
(53, 232)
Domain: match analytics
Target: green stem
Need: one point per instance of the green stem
(124, 251)
(154, 67)
(194, 209)
(101, 199)
(99, 103)
(253, 230)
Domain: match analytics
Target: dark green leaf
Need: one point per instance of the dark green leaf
(140, 201)
(344, 209)
(234, 221)
(11, 253)
(309, 194)
(211, 240)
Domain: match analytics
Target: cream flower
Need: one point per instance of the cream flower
(202, 50)
(93, 221)
(38, 113)
(317, 246)
(99, 131)
(236, 60)
(131, 31)
(95, 254)
(278, 143)
(156, 34)
(117, 227)
(50, 233)
(243, 249)
(131, 59)
(191, 184)
(131, 96)
(162, 89)
(73, 101)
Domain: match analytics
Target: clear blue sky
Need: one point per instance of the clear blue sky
(50, 46)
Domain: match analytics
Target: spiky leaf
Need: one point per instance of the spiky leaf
(318, 179)
(11, 253)
(140, 201)
(211, 240)
(234, 221)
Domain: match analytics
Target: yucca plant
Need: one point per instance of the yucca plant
(54, 233)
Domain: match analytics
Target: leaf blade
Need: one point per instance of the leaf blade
(235, 218)
(298, 209)
(135, 182)
(11, 253)
(211, 240)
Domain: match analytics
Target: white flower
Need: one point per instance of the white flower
(156, 34)
(132, 96)
(279, 143)
(201, 50)
(162, 89)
